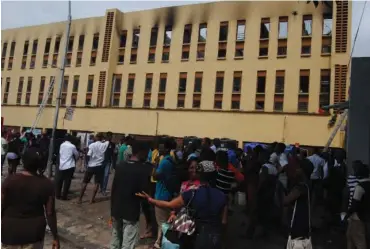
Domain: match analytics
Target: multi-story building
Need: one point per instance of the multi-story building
(250, 71)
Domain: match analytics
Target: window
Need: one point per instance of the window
(131, 83)
(90, 84)
(33, 61)
(198, 82)
(200, 52)
(182, 83)
(279, 82)
(260, 103)
(324, 87)
(146, 103)
(57, 45)
(180, 101)
(10, 63)
(93, 58)
(42, 84)
(55, 60)
(239, 49)
(304, 81)
(29, 85)
(196, 102)
(5, 46)
(2, 63)
(154, 37)
(63, 100)
(282, 50)
(95, 44)
(307, 25)
(148, 82)
(81, 41)
(185, 55)
(162, 82)
(160, 103)
(303, 103)
(237, 82)
(165, 54)
(34, 46)
(88, 99)
(27, 99)
(151, 56)
(6, 90)
(202, 35)
(224, 28)
(65, 84)
(24, 62)
(221, 51)
(219, 82)
(135, 38)
(261, 81)
(167, 36)
(116, 89)
(264, 48)
(306, 46)
(68, 59)
(12, 49)
(133, 57)
(128, 101)
(283, 27)
(20, 84)
(235, 104)
(70, 43)
(121, 56)
(327, 24)
(45, 61)
(76, 82)
(240, 30)
(74, 99)
(218, 101)
(278, 106)
(265, 28)
(25, 48)
(123, 39)
(50, 98)
(186, 39)
(79, 59)
(326, 45)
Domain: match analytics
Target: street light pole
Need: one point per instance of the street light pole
(59, 93)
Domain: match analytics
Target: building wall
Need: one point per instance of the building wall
(243, 124)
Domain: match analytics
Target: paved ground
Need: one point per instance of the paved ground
(86, 226)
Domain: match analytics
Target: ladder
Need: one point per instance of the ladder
(43, 103)
(336, 129)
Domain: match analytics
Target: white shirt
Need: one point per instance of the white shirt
(318, 165)
(68, 155)
(271, 169)
(96, 153)
(213, 147)
(3, 143)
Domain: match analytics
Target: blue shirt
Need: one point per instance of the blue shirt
(165, 169)
(208, 204)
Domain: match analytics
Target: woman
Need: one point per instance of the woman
(26, 199)
(209, 205)
(14, 153)
(299, 197)
(193, 182)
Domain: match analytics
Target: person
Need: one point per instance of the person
(207, 160)
(14, 153)
(316, 177)
(216, 144)
(130, 177)
(210, 211)
(358, 215)
(108, 160)
(95, 169)
(162, 173)
(68, 155)
(299, 197)
(193, 182)
(128, 151)
(4, 149)
(122, 149)
(26, 198)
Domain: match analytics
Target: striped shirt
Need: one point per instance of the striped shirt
(352, 182)
(227, 177)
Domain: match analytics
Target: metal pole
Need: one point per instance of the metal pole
(59, 93)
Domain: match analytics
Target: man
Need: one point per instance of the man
(122, 149)
(4, 149)
(95, 168)
(108, 160)
(162, 174)
(68, 156)
(358, 233)
(130, 177)
(316, 176)
(128, 151)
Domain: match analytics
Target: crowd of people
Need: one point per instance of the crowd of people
(186, 191)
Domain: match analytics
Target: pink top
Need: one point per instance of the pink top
(189, 185)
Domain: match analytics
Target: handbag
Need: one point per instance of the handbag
(184, 222)
(301, 243)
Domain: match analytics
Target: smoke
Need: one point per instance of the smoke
(171, 16)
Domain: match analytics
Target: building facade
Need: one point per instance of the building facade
(249, 71)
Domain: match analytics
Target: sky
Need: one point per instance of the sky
(40, 12)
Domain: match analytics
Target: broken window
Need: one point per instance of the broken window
(81, 41)
(95, 41)
(167, 36)
(307, 25)
(135, 38)
(327, 24)
(240, 30)
(122, 39)
(304, 81)
(154, 37)
(47, 46)
(265, 28)
(187, 34)
(224, 28)
(283, 27)
(202, 36)
(25, 48)
(57, 45)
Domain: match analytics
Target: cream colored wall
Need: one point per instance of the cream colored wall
(245, 126)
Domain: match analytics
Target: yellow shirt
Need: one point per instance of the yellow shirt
(155, 155)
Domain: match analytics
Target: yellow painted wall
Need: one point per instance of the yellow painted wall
(246, 125)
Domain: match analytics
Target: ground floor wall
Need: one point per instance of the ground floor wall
(310, 130)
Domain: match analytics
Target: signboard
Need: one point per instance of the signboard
(69, 113)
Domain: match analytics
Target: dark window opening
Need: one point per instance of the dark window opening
(198, 85)
(187, 34)
(121, 58)
(282, 50)
(219, 84)
(56, 46)
(239, 52)
(180, 103)
(123, 39)
(25, 48)
(237, 84)
(202, 35)
(81, 42)
(185, 55)
(75, 84)
(154, 37)
(95, 42)
(306, 50)
(133, 58)
(260, 105)
(90, 84)
(182, 85)
(263, 52)
(217, 104)
(70, 44)
(12, 49)
(278, 106)
(265, 30)
(130, 85)
(5, 47)
(148, 84)
(167, 36)
(279, 84)
(160, 103)
(146, 103)
(304, 82)
(196, 103)
(128, 102)
(151, 57)
(47, 46)
(117, 85)
(136, 38)
(221, 53)
(162, 84)
(235, 104)
(165, 56)
(224, 28)
(261, 84)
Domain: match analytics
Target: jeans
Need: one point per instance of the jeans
(63, 179)
(104, 186)
(124, 234)
(2, 162)
(208, 237)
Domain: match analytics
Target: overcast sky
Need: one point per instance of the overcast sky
(39, 12)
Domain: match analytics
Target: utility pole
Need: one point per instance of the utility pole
(59, 93)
